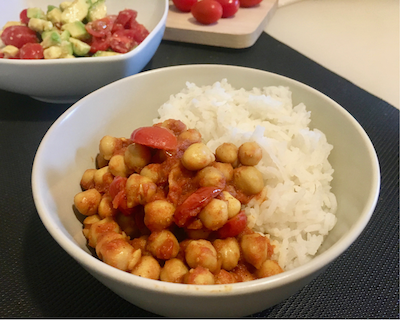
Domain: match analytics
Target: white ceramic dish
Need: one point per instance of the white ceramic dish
(68, 80)
(69, 147)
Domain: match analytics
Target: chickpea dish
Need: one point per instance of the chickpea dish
(163, 206)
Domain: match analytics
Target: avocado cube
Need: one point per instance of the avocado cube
(79, 47)
(51, 39)
(36, 13)
(77, 30)
(106, 54)
(54, 15)
(97, 10)
(66, 48)
(65, 35)
(77, 11)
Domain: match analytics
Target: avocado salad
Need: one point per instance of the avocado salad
(79, 28)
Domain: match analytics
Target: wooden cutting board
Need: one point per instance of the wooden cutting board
(240, 31)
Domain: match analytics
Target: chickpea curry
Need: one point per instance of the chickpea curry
(162, 205)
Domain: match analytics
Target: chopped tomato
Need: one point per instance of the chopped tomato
(99, 44)
(101, 27)
(125, 17)
(31, 51)
(155, 137)
(123, 41)
(140, 31)
(23, 16)
(192, 206)
(17, 36)
(118, 193)
(233, 226)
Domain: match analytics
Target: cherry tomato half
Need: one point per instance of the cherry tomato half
(31, 51)
(229, 7)
(233, 226)
(17, 36)
(207, 11)
(23, 16)
(99, 44)
(249, 3)
(155, 137)
(184, 5)
(123, 41)
(101, 27)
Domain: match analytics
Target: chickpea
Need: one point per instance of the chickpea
(117, 166)
(137, 156)
(248, 179)
(106, 208)
(198, 233)
(176, 126)
(102, 178)
(87, 180)
(102, 226)
(114, 250)
(234, 205)
(228, 252)
(158, 215)
(199, 276)
(214, 215)
(139, 190)
(242, 274)
(250, 153)
(108, 145)
(255, 248)
(174, 270)
(152, 171)
(190, 136)
(268, 268)
(201, 253)
(127, 225)
(147, 267)
(140, 243)
(87, 223)
(197, 156)
(87, 202)
(225, 168)
(226, 152)
(163, 245)
(224, 277)
(211, 177)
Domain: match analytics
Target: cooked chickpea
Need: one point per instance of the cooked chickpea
(234, 205)
(117, 166)
(197, 156)
(140, 243)
(242, 274)
(152, 171)
(214, 215)
(250, 153)
(211, 177)
(108, 145)
(198, 233)
(224, 277)
(137, 156)
(139, 190)
(87, 223)
(87, 202)
(225, 168)
(228, 252)
(102, 178)
(227, 152)
(269, 268)
(99, 227)
(190, 136)
(255, 248)
(248, 179)
(163, 244)
(201, 253)
(199, 276)
(158, 215)
(87, 180)
(147, 267)
(176, 126)
(174, 270)
(106, 208)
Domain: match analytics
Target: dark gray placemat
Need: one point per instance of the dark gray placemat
(38, 279)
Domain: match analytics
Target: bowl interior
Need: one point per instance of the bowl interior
(71, 144)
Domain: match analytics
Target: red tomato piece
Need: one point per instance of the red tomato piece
(140, 31)
(17, 36)
(123, 41)
(233, 226)
(229, 7)
(101, 27)
(155, 137)
(207, 11)
(23, 16)
(1, 55)
(249, 3)
(31, 51)
(99, 44)
(125, 17)
(118, 193)
(184, 5)
(192, 206)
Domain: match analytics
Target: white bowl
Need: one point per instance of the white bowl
(68, 80)
(70, 145)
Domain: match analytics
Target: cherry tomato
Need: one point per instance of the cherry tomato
(249, 3)
(140, 31)
(184, 5)
(125, 17)
(123, 41)
(17, 36)
(31, 51)
(192, 206)
(233, 226)
(229, 7)
(23, 16)
(1, 55)
(207, 11)
(101, 27)
(155, 137)
(99, 44)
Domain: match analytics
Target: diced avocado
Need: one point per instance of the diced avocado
(97, 10)
(10, 51)
(52, 52)
(79, 47)
(44, 34)
(66, 48)
(36, 13)
(77, 11)
(54, 15)
(40, 25)
(51, 39)
(105, 54)
(77, 30)
(64, 5)
(65, 35)
(50, 7)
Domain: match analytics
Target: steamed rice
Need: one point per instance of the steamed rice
(299, 209)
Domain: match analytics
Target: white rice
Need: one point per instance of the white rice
(299, 210)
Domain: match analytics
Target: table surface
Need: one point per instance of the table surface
(38, 279)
